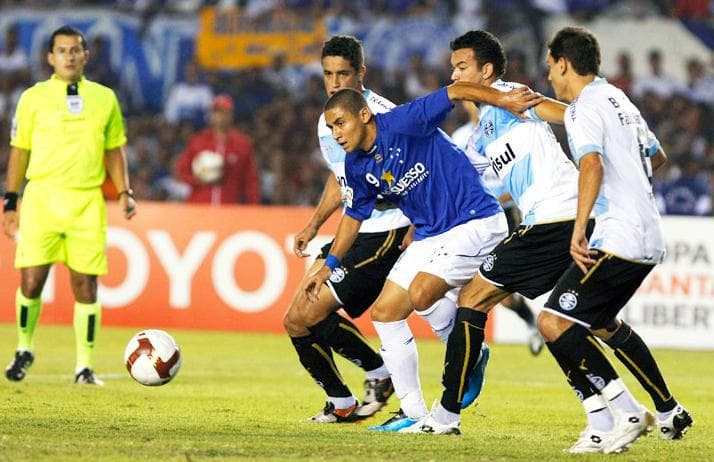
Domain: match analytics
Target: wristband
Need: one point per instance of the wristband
(332, 262)
(9, 203)
(129, 192)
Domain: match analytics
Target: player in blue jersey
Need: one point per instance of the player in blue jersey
(316, 330)
(403, 157)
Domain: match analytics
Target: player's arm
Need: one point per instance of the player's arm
(551, 111)
(16, 168)
(330, 201)
(115, 160)
(658, 159)
(516, 100)
(346, 233)
(589, 181)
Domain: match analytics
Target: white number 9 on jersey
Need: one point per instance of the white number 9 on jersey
(371, 179)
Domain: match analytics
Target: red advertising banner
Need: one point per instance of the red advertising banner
(190, 266)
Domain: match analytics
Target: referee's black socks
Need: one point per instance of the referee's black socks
(636, 356)
(462, 352)
(347, 340)
(316, 357)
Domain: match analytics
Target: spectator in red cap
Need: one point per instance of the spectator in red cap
(218, 162)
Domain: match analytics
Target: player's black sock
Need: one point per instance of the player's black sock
(636, 356)
(316, 357)
(462, 351)
(346, 339)
(584, 352)
(523, 310)
(578, 382)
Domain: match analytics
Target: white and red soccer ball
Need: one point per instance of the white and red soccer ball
(152, 357)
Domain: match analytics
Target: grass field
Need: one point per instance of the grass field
(244, 396)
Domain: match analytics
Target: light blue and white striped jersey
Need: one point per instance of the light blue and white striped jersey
(627, 223)
(528, 160)
(334, 157)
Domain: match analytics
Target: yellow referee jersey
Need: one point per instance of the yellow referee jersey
(67, 135)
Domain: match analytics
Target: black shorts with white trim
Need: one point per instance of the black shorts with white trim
(531, 260)
(359, 279)
(595, 298)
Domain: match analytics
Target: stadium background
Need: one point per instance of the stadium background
(231, 268)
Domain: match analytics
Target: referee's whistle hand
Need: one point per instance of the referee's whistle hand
(9, 223)
(128, 205)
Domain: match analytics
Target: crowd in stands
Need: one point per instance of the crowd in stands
(278, 106)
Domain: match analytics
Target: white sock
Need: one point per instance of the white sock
(619, 396)
(599, 415)
(666, 415)
(401, 357)
(379, 373)
(443, 416)
(342, 402)
(440, 317)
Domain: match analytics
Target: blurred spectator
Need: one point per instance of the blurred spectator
(517, 70)
(688, 194)
(12, 59)
(657, 81)
(99, 67)
(624, 78)
(699, 83)
(238, 182)
(189, 100)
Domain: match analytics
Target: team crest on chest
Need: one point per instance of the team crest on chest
(488, 128)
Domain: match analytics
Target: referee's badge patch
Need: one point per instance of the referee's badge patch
(75, 104)
(338, 274)
(487, 264)
(568, 301)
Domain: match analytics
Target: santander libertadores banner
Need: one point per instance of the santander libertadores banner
(232, 268)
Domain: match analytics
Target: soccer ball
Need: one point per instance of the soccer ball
(207, 166)
(152, 357)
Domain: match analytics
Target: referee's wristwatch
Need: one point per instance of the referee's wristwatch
(129, 192)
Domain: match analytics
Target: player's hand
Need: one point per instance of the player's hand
(128, 205)
(408, 238)
(302, 239)
(314, 283)
(582, 255)
(520, 99)
(9, 223)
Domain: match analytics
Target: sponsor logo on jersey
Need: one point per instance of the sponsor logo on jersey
(411, 179)
(488, 128)
(488, 262)
(378, 158)
(499, 162)
(337, 276)
(568, 301)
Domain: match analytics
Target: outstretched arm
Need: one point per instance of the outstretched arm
(516, 100)
(551, 111)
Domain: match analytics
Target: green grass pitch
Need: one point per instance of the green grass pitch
(245, 396)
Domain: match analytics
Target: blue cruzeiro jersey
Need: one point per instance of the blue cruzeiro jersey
(415, 165)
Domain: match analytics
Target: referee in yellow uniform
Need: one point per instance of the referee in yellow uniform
(66, 134)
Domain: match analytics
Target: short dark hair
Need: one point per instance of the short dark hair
(66, 30)
(486, 48)
(347, 47)
(348, 98)
(579, 46)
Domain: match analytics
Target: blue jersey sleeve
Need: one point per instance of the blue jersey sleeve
(419, 117)
(360, 196)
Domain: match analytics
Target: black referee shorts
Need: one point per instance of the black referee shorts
(532, 259)
(595, 298)
(360, 277)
